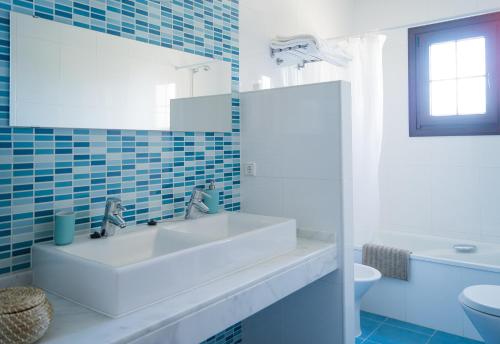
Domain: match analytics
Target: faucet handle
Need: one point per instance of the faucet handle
(118, 209)
(202, 207)
(198, 193)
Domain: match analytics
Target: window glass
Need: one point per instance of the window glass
(442, 61)
(454, 77)
(471, 57)
(457, 73)
(471, 96)
(443, 95)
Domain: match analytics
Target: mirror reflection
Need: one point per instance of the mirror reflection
(86, 79)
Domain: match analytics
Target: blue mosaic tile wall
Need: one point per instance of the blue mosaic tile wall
(46, 170)
(232, 335)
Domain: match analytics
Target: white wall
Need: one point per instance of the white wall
(263, 20)
(440, 186)
(445, 186)
(373, 15)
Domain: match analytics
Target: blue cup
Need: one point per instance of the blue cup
(211, 200)
(64, 231)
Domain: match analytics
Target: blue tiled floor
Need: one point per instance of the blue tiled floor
(377, 329)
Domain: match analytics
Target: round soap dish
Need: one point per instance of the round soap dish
(465, 248)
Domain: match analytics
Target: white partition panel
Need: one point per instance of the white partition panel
(300, 141)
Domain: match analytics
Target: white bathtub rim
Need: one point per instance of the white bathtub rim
(422, 256)
(451, 262)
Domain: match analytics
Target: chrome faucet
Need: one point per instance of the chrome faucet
(112, 217)
(196, 201)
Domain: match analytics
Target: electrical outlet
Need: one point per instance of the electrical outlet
(251, 169)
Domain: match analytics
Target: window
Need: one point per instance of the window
(453, 84)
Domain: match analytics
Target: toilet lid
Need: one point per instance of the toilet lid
(482, 298)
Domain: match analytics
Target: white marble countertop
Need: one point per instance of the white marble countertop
(199, 313)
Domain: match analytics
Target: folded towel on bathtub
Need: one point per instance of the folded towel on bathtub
(391, 262)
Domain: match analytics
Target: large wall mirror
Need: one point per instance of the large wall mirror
(68, 77)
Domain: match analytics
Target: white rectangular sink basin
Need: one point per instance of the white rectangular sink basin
(143, 264)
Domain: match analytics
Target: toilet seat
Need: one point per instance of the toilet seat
(482, 298)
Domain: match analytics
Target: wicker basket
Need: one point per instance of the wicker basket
(25, 315)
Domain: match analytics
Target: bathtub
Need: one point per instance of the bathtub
(437, 276)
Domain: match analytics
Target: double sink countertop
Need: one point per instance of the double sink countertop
(197, 314)
(177, 281)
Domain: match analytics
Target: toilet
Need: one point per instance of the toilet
(481, 303)
(364, 278)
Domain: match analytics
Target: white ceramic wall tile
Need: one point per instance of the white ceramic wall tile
(406, 197)
(310, 131)
(490, 201)
(458, 195)
(315, 161)
(397, 149)
(313, 204)
(455, 204)
(252, 191)
(453, 151)
(261, 140)
(487, 148)
(293, 135)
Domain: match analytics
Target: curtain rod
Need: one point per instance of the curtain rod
(406, 26)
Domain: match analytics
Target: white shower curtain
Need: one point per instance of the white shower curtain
(366, 76)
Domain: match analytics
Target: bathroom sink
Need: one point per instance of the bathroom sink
(143, 264)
